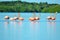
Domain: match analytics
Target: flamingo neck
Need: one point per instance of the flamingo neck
(18, 14)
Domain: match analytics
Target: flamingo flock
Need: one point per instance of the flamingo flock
(14, 18)
(33, 18)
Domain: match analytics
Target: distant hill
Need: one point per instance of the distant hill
(18, 6)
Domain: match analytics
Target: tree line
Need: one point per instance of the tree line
(19, 6)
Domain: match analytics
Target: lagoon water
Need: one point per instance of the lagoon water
(27, 30)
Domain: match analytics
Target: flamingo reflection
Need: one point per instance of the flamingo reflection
(51, 28)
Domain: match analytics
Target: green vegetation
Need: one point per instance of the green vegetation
(18, 6)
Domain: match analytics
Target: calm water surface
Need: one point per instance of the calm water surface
(27, 30)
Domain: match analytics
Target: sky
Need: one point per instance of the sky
(49, 1)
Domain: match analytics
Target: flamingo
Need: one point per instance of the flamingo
(14, 18)
(20, 18)
(11, 19)
(32, 18)
(54, 17)
(6, 17)
(49, 17)
(37, 18)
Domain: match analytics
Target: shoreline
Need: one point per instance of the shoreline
(29, 12)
